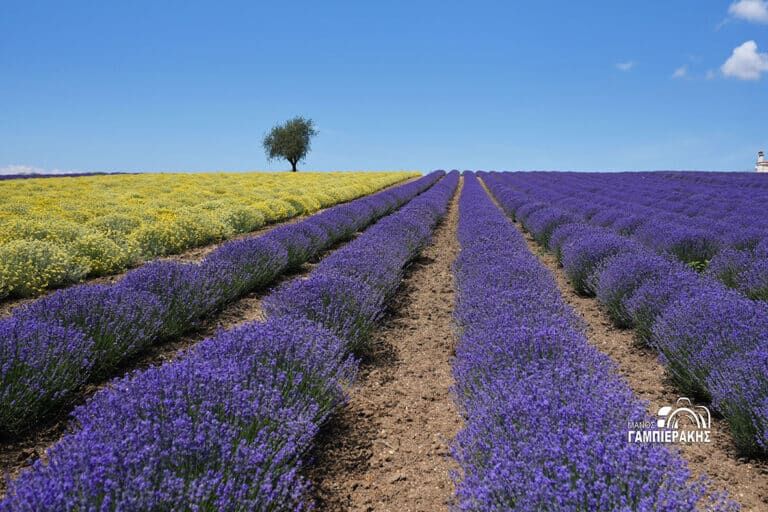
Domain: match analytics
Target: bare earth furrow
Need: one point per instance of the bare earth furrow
(388, 449)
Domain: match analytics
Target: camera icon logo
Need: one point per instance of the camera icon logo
(669, 417)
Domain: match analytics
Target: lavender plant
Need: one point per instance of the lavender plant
(696, 334)
(620, 276)
(582, 256)
(545, 412)
(119, 321)
(224, 427)
(42, 363)
(695, 322)
(161, 300)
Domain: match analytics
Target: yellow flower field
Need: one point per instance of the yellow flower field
(55, 231)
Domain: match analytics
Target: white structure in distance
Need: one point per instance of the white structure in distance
(762, 164)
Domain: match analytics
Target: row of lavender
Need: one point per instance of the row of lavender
(713, 341)
(62, 175)
(546, 415)
(225, 427)
(716, 226)
(51, 347)
(714, 208)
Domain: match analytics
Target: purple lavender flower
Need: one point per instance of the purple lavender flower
(341, 304)
(250, 263)
(752, 281)
(543, 408)
(42, 363)
(187, 291)
(545, 220)
(561, 234)
(619, 277)
(582, 255)
(120, 321)
(223, 428)
(739, 389)
(695, 334)
(728, 265)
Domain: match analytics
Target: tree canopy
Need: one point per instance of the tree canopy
(290, 140)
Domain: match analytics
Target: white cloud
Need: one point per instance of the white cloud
(625, 66)
(755, 11)
(29, 169)
(746, 63)
(681, 72)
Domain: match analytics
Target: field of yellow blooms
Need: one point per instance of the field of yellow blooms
(55, 231)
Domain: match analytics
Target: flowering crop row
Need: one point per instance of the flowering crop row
(712, 223)
(546, 415)
(52, 346)
(225, 427)
(55, 231)
(713, 341)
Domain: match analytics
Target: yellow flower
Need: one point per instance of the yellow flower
(54, 231)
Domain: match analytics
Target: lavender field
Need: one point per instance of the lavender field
(468, 341)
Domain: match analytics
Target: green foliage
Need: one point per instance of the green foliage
(698, 266)
(290, 140)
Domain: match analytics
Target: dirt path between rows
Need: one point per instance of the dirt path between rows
(388, 449)
(745, 480)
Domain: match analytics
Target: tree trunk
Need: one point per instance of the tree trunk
(293, 166)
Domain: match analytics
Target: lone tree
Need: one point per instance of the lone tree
(290, 140)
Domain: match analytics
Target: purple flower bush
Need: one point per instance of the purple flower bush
(120, 321)
(545, 220)
(188, 291)
(740, 392)
(581, 256)
(250, 263)
(728, 265)
(225, 426)
(546, 414)
(343, 305)
(159, 300)
(705, 333)
(42, 363)
(561, 234)
(698, 333)
(627, 224)
(619, 277)
(299, 246)
(693, 223)
(687, 244)
(753, 281)
(651, 298)
(347, 292)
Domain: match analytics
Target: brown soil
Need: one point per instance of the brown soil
(388, 449)
(745, 480)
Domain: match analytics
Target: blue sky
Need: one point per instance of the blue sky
(184, 85)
